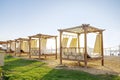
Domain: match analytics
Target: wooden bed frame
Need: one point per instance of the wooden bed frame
(83, 29)
(39, 37)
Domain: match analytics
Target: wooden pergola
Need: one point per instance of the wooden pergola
(2, 42)
(20, 41)
(82, 29)
(9, 46)
(9, 43)
(40, 37)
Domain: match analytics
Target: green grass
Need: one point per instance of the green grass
(20, 69)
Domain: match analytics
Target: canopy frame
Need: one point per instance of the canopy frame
(9, 46)
(20, 40)
(83, 29)
(42, 36)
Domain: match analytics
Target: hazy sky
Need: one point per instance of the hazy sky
(21, 18)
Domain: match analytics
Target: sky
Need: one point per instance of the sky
(22, 18)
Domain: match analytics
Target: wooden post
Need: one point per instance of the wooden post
(60, 47)
(29, 47)
(7, 47)
(10, 46)
(56, 46)
(39, 47)
(20, 47)
(15, 48)
(102, 48)
(78, 38)
(85, 45)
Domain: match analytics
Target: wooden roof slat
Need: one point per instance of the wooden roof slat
(23, 39)
(9, 41)
(69, 28)
(42, 36)
(3, 42)
(81, 29)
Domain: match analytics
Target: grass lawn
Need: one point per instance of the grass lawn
(20, 69)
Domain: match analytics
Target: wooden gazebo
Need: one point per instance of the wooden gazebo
(9, 46)
(39, 51)
(3, 42)
(77, 55)
(20, 49)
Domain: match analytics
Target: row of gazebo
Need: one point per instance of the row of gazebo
(33, 45)
(74, 52)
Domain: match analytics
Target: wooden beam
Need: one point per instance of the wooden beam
(56, 46)
(101, 33)
(63, 30)
(78, 38)
(15, 48)
(85, 45)
(42, 36)
(70, 30)
(20, 47)
(7, 46)
(23, 39)
(10, 45)
(29, 47)
(60, 47)
(39, 47)
(73, 59)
